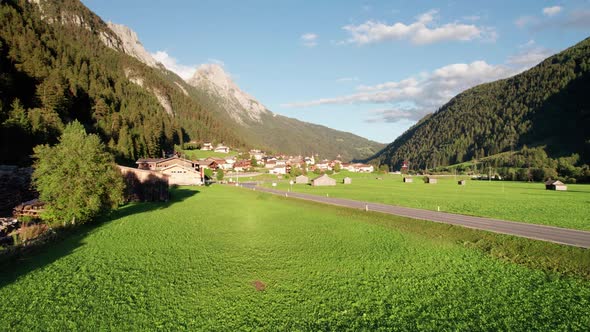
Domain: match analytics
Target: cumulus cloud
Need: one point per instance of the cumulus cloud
(309, 39)
(172, 64)
(422, 31)
(416, 96)
(551, 11)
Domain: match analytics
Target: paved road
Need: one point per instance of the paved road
(559, 235)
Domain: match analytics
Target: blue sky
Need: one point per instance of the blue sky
(372, 68)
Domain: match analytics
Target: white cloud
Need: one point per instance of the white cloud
(309, 39)
(551, 11)
(171, 63)
(416, 96)
(422, 31)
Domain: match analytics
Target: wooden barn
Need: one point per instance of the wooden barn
(144, 185)
(347, 180)
(302, 179)
(461, 182)
(408, 180)
(430, 180)
(323, 180)
(555, 185)
(182, 176)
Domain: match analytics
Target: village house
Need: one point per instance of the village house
(147, 163)
(257, 154)
(555, 185)
(278, 170)
(156, 164)
(364, 168)
(242, 165)
(207, 146)
(302, 179)
(207, 164)
(347, 180)
(175, 161)
(323, 180)
(324, 165)
(270, 164)
(222, 149)
(181, 175)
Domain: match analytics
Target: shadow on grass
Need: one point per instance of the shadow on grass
(18, 263)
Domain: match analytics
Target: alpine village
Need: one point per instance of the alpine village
(138, 193)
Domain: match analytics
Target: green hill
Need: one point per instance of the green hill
(545, 107)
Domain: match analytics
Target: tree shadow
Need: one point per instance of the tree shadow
(20, 262)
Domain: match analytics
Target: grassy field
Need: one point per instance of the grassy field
(517, 201)
(227, 259)
(200, 154)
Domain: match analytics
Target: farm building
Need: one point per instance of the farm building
(408, 180)
(555, 185)
(302, 179)
(323, 180)
(182, 175)
(144, 185)
(429, 180)
(347, 180)
(461, 182)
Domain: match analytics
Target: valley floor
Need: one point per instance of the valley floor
(226, 258)
(506, 200)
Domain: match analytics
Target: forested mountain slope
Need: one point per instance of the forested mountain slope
(55, 67)
(546, 106)
(60, 62)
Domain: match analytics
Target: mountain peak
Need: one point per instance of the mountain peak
(241, 106)
(131, 44)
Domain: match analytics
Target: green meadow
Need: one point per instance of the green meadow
(201, 154)
(508, 200)
(227, 259)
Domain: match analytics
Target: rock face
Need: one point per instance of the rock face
(132, 46)
(240, 106)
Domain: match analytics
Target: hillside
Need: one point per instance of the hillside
(61, 62)
(270, 131)
(546, 106)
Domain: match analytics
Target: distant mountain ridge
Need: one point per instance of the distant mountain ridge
(547, 105)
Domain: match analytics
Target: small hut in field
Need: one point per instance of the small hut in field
(408, 180)
(430, 180)
(347, 180)
(461, 182)
(555, 185)
(302, 179)
(323, 180)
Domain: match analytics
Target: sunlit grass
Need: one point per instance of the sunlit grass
(516, 201)
(197, 263)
